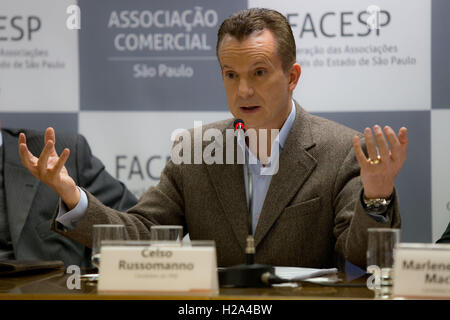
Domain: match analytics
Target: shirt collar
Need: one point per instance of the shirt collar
(279, 142)
(286, 128)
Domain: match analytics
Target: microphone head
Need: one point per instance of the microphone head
(239, 124)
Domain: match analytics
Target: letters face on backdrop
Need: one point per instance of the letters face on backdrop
(38, 57)
(337, 40)
(422, 270)
(144, 268)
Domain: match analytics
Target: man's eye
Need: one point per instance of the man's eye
(260, 72)
(230, 75)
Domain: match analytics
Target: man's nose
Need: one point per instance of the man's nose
(245, 89)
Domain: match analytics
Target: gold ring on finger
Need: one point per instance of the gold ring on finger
(375, 161)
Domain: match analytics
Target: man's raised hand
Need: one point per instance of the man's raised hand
(50, 169)
(379, 170)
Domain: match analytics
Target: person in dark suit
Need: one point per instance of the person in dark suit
(318, 205)
(27, 205)
(445, 238)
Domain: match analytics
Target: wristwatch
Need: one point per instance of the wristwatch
(377, 205)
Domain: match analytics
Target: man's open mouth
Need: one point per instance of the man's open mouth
(249, 109)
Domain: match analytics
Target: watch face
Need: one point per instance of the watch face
(379, 203)
(380, 208)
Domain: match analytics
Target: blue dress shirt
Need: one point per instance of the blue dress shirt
(262, 175)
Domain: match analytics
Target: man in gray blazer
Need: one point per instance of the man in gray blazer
(27, 206)
(318, 205)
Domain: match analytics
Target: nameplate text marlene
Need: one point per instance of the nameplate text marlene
(422, 270)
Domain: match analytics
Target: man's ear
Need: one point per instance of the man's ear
(294, 76)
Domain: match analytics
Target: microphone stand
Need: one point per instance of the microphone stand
(250, 243)
(249, 275)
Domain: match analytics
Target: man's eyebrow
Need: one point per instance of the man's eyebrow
(258, 63)
(254, 64)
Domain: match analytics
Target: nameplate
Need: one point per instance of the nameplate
(149, 268)
(422, 270)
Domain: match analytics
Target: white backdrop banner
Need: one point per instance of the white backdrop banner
(379, 55)
(142, 141)
(38, 57)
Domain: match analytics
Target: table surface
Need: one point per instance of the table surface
(53, 285)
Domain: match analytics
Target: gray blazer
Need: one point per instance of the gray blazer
(311, 212)
(30, 204)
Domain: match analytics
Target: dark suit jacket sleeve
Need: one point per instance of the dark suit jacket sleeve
(92, 176)
(446, 236)
(351, 219)
(159, 205)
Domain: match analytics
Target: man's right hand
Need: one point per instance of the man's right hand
(50, 169)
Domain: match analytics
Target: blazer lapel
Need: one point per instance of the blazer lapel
(20, 187)
(228, 182)
(295, 166)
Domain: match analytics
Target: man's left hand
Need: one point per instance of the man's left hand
(378, 172)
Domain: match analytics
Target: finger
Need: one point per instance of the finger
(360, 156)
(403, 136)
(43, 158)
(24, 153)
(61, 161)
(370, 143)
(381, 142)
(392, 137)
(403, 146)
(22, 138)
(50, 136)
(393, 141)
(28, 160)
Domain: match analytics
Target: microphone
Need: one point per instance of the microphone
(250, 246)
(238, 124)
(249, 275)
